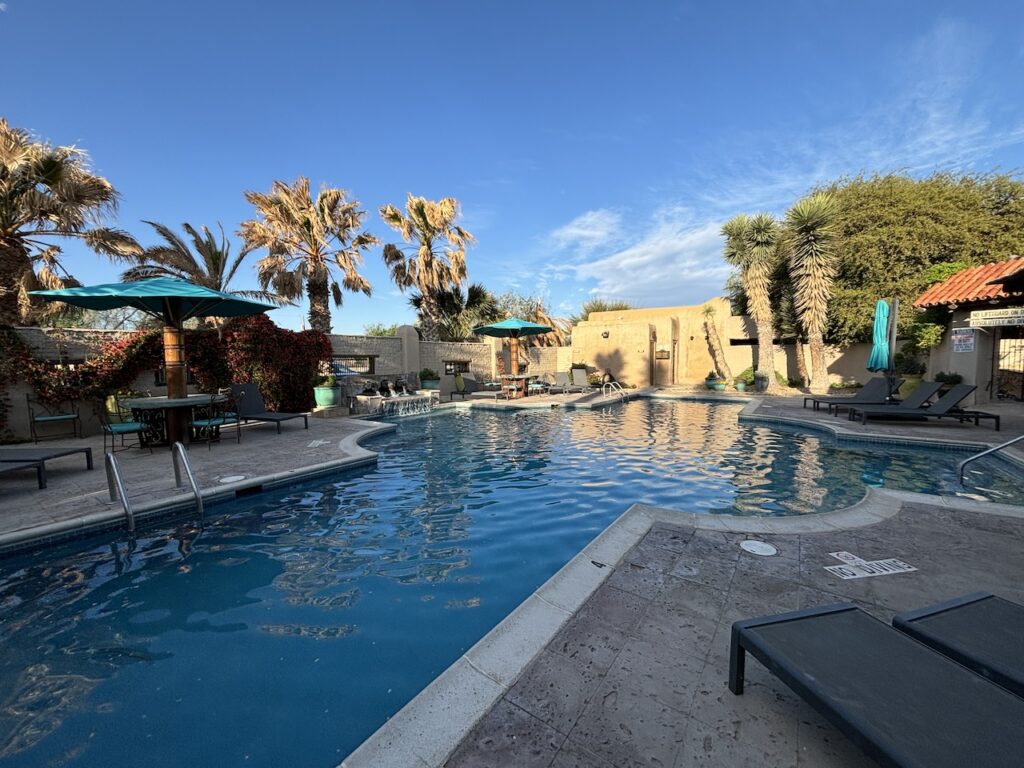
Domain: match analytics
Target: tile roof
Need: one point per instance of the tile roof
(974, 284)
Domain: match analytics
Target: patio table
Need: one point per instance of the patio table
(167, 418)
(517, 385)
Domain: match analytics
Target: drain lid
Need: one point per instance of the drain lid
(755, 547)
(232, 478)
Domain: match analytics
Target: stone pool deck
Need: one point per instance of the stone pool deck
(637, 676)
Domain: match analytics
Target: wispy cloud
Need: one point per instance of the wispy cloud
(589, 231)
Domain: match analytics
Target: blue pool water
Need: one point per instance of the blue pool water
(293, 624)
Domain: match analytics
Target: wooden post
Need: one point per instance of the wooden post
(513, 350)
(174, 361)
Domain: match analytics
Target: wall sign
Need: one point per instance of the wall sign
(963, 339)
(986, 318)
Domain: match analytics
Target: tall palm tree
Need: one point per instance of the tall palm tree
(306, 241)
(48, 192)
(438, 262)
(207, 262)
(750, 245)
(461, 313)
(811, 231)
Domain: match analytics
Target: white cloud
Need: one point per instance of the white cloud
(589, 231)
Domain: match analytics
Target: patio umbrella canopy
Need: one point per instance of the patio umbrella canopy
(171, 301)
(879, 360)
(512, 329)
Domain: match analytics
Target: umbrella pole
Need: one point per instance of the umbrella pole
(174, 361)
(894, 311)
(513, 350)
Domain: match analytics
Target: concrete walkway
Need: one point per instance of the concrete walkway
(637, 677)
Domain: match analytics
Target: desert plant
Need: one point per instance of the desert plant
(429, 374)
(715, 343)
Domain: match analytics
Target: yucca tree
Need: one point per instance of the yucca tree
(436, 260)
(715, 343)
(308, 241)
(48, 192)
(461, 313)
(751, 246)
(203, 259)
(810, 235)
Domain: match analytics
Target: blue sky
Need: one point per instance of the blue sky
(596, 147)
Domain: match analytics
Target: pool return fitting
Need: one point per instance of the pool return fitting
(115, 481)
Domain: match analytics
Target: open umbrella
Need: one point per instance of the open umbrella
(512, 329)
(168, 299)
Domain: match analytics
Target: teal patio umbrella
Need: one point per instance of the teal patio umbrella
(170, 300)
(879, 359)
(512, 329)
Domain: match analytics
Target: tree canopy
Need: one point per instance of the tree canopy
(598, 305)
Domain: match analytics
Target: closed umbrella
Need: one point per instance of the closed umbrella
(879, 359)
(512, 329)
(168, 299)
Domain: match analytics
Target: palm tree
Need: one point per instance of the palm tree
(461, 313)
(750, 245)
(48, 192)
(439, 261)
(810, 236)
(715, 343)
(598, 305)
(306, 241)
(558, 334)
(206, 262)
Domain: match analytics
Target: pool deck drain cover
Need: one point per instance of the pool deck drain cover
(232, 478)
(755, 547)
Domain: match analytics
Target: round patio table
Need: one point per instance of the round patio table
(167, 418)
(515, 385)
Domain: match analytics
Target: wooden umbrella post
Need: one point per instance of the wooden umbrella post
(513, 350)
(174, 361)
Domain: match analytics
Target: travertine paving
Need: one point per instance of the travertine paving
(638, 676)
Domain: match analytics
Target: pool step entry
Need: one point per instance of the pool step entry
(116, 486)
(963, 464)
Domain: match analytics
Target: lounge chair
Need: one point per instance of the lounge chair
(899, 701)
(983, 632)
(39, 456)
(40, 414)
(38, 466)
(943, 407)
(563, 384)
(874, 391)
(252, 408)
(580, 378)
(918, 398)
(465, 384)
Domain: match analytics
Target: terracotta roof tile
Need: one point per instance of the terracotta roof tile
(974, 284)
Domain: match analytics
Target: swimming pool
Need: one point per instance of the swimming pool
(294, 623)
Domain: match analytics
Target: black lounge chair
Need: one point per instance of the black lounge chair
(875, 390)
(252, 408)
(38, 466)
(40, 456)
(899, 701)
(943, 407)
(981, 631)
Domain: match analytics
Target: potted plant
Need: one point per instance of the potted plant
(744, 380)
(326, 392)
(429, 379)
(711, 379)
(741, 385)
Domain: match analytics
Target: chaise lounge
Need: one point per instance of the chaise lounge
(37, 457)
(874, 391)
(252, 408)
(944, 407)
(899, 701)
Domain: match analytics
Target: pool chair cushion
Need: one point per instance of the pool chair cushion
(981, 631)
(901, 702)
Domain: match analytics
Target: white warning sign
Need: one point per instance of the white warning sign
(854, 567)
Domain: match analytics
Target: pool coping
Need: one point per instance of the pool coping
(14, 542)
(427, 730)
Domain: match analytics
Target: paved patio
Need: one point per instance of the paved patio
(637, 677)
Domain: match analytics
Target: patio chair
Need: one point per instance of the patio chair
(580, 378)
(38, 466)
(942, 407)
(252, 408)
(875, 391)
(899, 701)
(122, 427)
(564, 385)
(541, 385)
(981, 631)
(210, 418)
(40, 414)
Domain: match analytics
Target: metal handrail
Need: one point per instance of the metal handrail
(180, 457)
(115, 484)
(960, 467)
(610, 387)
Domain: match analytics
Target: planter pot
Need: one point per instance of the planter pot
(741, 386)
(719, 386)
(327, 396)
(430, 384)
(710, 383)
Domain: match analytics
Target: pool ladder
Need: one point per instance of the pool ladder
(963, 464)
(614, 388)
(115, 481)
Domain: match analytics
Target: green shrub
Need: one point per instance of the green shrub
(429, 374)
(948, 378)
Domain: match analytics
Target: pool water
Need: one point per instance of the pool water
(292, 624)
